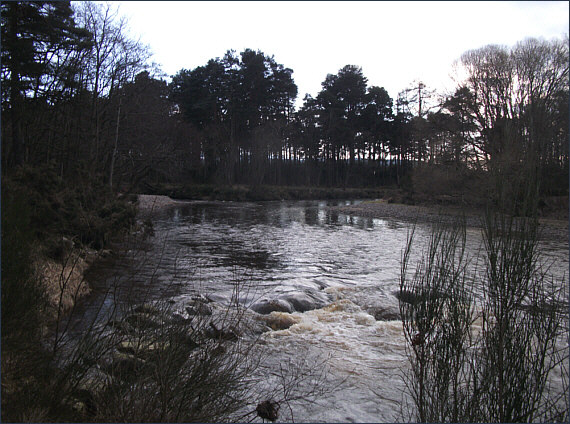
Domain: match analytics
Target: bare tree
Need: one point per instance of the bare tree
(113, 60)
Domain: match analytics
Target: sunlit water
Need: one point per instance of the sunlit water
(349, 266)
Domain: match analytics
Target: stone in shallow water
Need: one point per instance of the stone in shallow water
(268, 410)
(147, 308)
(384, 313)
(302, 301)
(295, 301)
(230, 334)
(265, 307)
(280, 320)
(143, 320)
(406, 296)
(125, 366)
(198, 308)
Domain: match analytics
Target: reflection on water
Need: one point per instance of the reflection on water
(298, 252)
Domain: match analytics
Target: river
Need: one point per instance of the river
(304, 251)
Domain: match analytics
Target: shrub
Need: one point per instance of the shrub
(23, 299)
(24, 303)
(483, 345)
(84, 209)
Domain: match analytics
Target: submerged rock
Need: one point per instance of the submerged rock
(143, 320)
(214, 332)
(198, 308)
(147, 308)
(303, 302)
(280, 320)
(384, 313)
(295, 301)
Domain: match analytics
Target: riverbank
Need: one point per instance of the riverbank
(148, 204)
(550, 228)
(265, 192)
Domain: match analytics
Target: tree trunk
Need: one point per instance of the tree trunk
(15, 95)
(115, 147)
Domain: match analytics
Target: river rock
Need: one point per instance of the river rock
(124, 366)
(147, 308)
(304, 301)
(140, 349)
(177, 318)
(280, 320)
(120, 325)
(83, 402)
(265, 307)
(294, 301)
(384, 313)
(143, 320)
(202, 298)
(83, 397)
(198, 307)
(268, 410)
(406, 296)
(230, 334)
(544, 307)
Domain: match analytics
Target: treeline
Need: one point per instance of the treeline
(80, 95)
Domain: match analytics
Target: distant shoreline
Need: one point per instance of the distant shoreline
(550, 229)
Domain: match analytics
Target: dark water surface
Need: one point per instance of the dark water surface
(338, 271)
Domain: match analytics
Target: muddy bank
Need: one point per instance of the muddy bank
(64, 279)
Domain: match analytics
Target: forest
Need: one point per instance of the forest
(78, 95)
(89, 121)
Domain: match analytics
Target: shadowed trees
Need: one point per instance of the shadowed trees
(71, 98)
(348, 123)
(342, 99)
(242, 107)
(505, 119)
(510, 108)
(516, 93)
(154, 143)
(62, 71)
(113, 60)
(231, 102)
(41, 49)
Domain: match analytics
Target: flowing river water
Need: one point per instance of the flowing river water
(340, 271)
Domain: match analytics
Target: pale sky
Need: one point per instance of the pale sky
(395, 43)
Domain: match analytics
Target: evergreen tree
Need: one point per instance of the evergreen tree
(36, 36)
